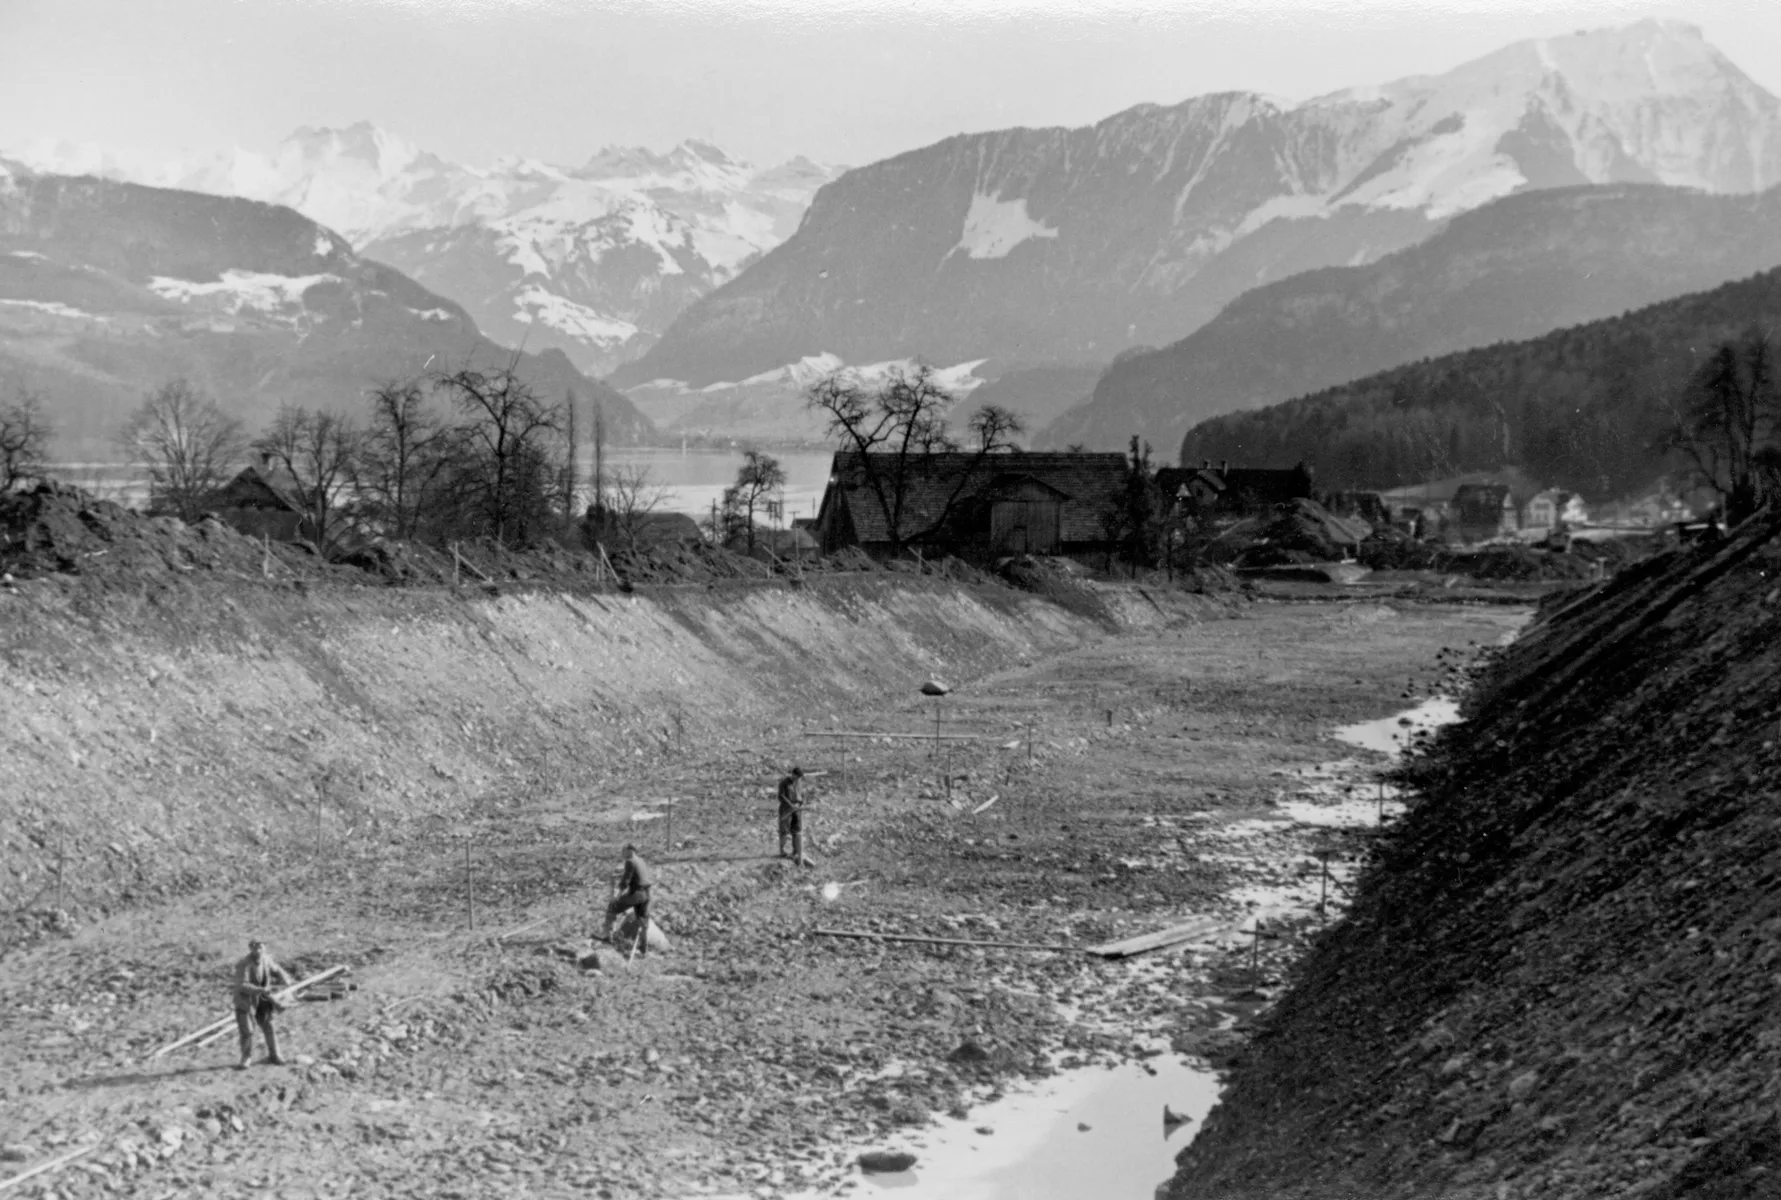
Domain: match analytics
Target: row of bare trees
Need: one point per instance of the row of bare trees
(457, 454)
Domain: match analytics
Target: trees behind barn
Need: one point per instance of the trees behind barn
(896, 424)
(462, 453)
(188, 443)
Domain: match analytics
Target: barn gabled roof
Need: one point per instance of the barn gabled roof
(1087, 485)
(263, 485)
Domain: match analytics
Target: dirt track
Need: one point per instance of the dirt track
(463, 1065)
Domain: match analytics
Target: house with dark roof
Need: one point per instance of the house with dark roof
(972, 505)
(1230, 491)
(263, 500)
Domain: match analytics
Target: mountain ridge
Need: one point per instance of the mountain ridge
(1065, 246)
(1506, 271)
(593, 260)
(108, 289)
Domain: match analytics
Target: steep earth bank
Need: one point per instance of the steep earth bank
(1558, 977)
(175, 735)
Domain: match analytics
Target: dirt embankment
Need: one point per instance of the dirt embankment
(1558, 979)
(168, 737)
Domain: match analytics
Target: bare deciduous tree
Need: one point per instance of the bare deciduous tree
(1727, 424)
(25, 434)
(759, 476)
(895, 425)
(404, 454)
(631, 496)
(188, 444)
(320, 451)
(512, 429)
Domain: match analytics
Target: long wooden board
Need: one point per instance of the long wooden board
(222, 1026)
(940, 941)
(1196, 930)
(906, 737)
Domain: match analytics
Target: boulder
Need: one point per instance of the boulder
(886, 1160)
(626, 934)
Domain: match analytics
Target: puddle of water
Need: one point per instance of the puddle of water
(1037, 1151)
(1390, 735)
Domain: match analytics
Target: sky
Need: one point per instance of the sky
(840, 81)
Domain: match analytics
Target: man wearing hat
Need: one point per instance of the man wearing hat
(791, 816)
(254, 979)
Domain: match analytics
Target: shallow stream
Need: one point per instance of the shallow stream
(1095, 1131)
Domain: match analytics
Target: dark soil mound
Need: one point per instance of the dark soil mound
(1304, 532)
(59, 529)
(1558, 976)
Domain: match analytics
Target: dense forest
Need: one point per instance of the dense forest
(1584, 408)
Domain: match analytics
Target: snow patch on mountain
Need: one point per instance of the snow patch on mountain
(994, 226)
(535, 304)
(238, 290)
(54, 308)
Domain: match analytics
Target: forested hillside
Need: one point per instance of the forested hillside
(1582, 408)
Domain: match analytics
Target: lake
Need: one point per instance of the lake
(694, 479)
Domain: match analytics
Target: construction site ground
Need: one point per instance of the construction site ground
(1138, 781)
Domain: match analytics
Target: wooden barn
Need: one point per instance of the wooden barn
(974, 506)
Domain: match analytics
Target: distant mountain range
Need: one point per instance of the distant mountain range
(1510, 270)
(1040, 248)
(594, 260)
(110, 289)
(1581, 408)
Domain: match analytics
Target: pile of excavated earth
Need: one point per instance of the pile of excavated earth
(1559, 975)
(431, 786)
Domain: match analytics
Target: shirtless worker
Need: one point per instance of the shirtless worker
(791, 816)
(633, 894)
(254, 1002)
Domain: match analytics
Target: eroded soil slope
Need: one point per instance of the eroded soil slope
(1560, 979)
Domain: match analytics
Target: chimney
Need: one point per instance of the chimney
(1205, 464)
(1224, 468)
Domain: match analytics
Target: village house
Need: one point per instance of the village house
(263, 500)
(1233, 491)
(1549, 510)
(974, 506)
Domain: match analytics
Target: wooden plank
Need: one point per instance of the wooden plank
(45, 1168)
(912, 737)
(940, 941)
(210, 1032)
(1195, 930)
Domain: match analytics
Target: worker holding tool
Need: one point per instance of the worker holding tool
(632, 893)
(256, 1003)
(791, 816)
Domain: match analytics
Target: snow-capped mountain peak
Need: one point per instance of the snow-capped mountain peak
(594, 260)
